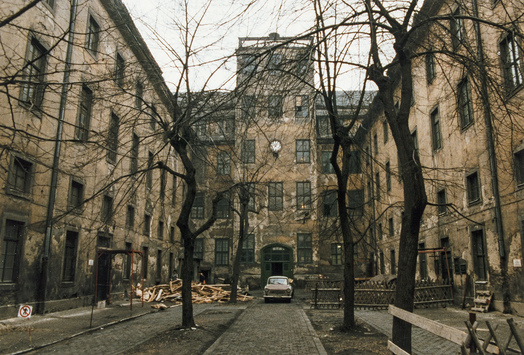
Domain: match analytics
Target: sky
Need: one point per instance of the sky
(219, 27)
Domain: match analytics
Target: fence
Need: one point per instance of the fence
(376, 294)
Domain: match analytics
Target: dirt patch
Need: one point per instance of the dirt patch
(361, 340)
(210, 325)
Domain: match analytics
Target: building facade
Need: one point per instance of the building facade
(82, 107)
(467, 127)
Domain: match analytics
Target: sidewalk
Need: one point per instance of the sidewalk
(427, 343)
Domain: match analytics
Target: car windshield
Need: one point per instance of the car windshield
(278, 281)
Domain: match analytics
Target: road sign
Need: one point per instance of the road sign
(25, 311)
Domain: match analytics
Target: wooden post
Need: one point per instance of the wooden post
(472, 320)
(518, 338)
(316, 295)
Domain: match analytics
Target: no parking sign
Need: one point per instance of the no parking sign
(25, 311)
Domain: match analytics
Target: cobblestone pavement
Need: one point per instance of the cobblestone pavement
(273, 328)
(424, 342)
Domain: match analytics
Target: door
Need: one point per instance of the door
(277, 260)
(103, 269)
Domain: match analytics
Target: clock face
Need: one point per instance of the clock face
(275, 146)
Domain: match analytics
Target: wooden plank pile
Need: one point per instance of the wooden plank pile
(200, 293)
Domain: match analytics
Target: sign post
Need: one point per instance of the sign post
(25, 312)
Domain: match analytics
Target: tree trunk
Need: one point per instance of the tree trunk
(187, 278)
(244, 225)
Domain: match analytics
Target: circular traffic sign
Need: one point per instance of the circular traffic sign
(25, 311)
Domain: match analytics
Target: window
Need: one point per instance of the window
(329, 203)
(248, 63)
(442, 201)
(112, 138)
(479, 255)
(145, 261)
(510, 56)
(248, 249)
(430, 66)
(302, 106)
(382, 263)
(223, 208)
(221, 251)
(20, 176)
(159, 264)
(248, 151)
(415, 139)
(173, 191)
(34, 70)
(133, 155)
(198, 251)
(226, 128)
(76, 194)
(127, 262)
(473, 187)
(153, 116)
(379, 231)
(119, 70)
(393, 261)
(223, 163)
(200, 128)
(385, 130)
(302, 150)
(171, 234)
(391, 227)
(336, 253)
(325, 161)
(84, 114)
(303, 195)
(249, 104)
(436, 136)
(275, 196)
(302, 63)
(130, 217)
(457, 28)
(107, 209)
(160, 231)
(388, 176)
(69, 267)
(464, 104)
(147, 224)
(149, 172)
(274, 106)
(377, 186)
(197, 211)
(323, 126)
(304, 248)
(422, 262)
(93, 35)
(356, 202)
(251, 190)
(354, 162)
(10, 253)
(139, 96)
(274, 64)
(163, 183)
(519, 166)
(50, 3)
(375, 143)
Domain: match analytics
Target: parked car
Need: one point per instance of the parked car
(278, 287)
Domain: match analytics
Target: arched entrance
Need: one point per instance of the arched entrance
(277, 259)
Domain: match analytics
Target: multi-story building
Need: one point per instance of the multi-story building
(467, 128)
(82, 106)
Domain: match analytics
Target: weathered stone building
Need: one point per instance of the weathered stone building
(82, 106)
(467, 126)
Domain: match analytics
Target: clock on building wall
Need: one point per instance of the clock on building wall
(275, 146)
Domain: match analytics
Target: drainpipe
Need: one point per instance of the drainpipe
(56, 160)
(373, 218)
(492, 158)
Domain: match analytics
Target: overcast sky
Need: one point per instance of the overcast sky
(224, 22)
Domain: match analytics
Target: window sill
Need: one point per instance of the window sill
(8, 286)
(473, 203)
(67, 284)
(465, 127)
(18, 194)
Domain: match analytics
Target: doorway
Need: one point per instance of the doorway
(103, 269)
(277, 260)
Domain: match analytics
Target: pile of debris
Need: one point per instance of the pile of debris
(200, 293)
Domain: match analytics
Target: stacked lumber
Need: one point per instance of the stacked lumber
(200, 293)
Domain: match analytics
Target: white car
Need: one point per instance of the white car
(278, 287)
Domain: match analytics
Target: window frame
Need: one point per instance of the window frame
(76, 200)
(19, 167)
(511, 62)
(304, 248)
(325, 162)
(147, 224)
(464, 104)
(224, 163)
(473, 191)
(441, 201)
(112, 138)
(431, 72)
(301, 106)
(222, 251)
(198, 208)
(11, 253)
(32, 91)
(198, 249)
(329, 203)
(107, 208)
(356, 202)
(70, 257)
(275, 104)
(224, 208)
(92, 41)
(275, 196)
(303, 196)
(457, 28)
(248, 154)
(518, 167)
(120, 65)
(248, 250)
(436, 129)
(337, 252)
(85, 110)
(303, 151)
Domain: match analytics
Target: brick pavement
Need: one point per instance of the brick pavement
(273, 328)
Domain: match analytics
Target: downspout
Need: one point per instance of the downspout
(492, 159)
(373, 213)
(56, 160)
